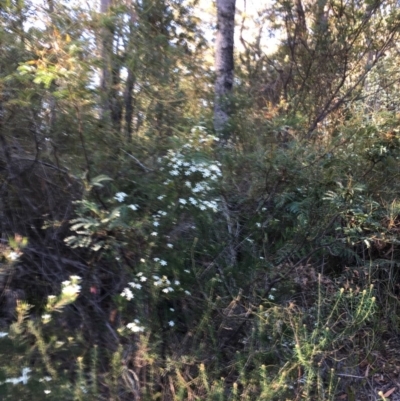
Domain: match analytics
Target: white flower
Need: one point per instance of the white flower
(3, 334)
(154, 234)
(143, 279)
(193, 201)
(258, 224)
(206, 173)
(133, 207)
(156, 259)
(187, 292)
(13, 256)
(75, 278)
(171, 323)
(156, 224)
(172, 309)
(71, 290)
(120, 196)
(47, 391)
(142, 260)
(46, 316)
(135, 285)
(170, 246)
(177, 282)
(188, 184)
(168, 289)
(134, 326)
(174, 172)
(186, 271)
(182, 201)
(271, 297)
(127, 293)
(161, 197)
(163, 263)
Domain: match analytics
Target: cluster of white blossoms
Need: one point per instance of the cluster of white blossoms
(162, 282)
(135, 326)
(70, 290)
(199, 174)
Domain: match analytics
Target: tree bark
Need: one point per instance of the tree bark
(224, 64)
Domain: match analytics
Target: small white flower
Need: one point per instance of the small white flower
(127, 293)
(13, 256)
(188, 184)
(3, 334)
(170, 246)
(133, 207)
(171, 323)
(161, 197)
(135, 285)
(71, 290)
(134, 326)
(187, 292)
(156, 224)
(143, 279)
(120, 196)
(193, 201)
(75, 278)
(174, 172)
(172, 309)
(271, 297)
(187, 271)
(182, 201)
(156, 259)
(142, 260)
(258, 224)
(154, 234)
(163, 263)
(177, 282)
(46, 316)
(47, 391)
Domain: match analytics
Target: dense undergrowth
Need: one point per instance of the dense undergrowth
(149, 262)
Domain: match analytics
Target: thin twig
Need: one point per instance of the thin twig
(138, 162)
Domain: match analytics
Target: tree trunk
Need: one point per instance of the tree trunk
(224, 64)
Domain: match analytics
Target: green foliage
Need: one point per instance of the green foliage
(266, 269)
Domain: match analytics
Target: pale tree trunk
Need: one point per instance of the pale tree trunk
(224, 64)
(108, 78)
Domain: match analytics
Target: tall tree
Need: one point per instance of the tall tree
(224, 64)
